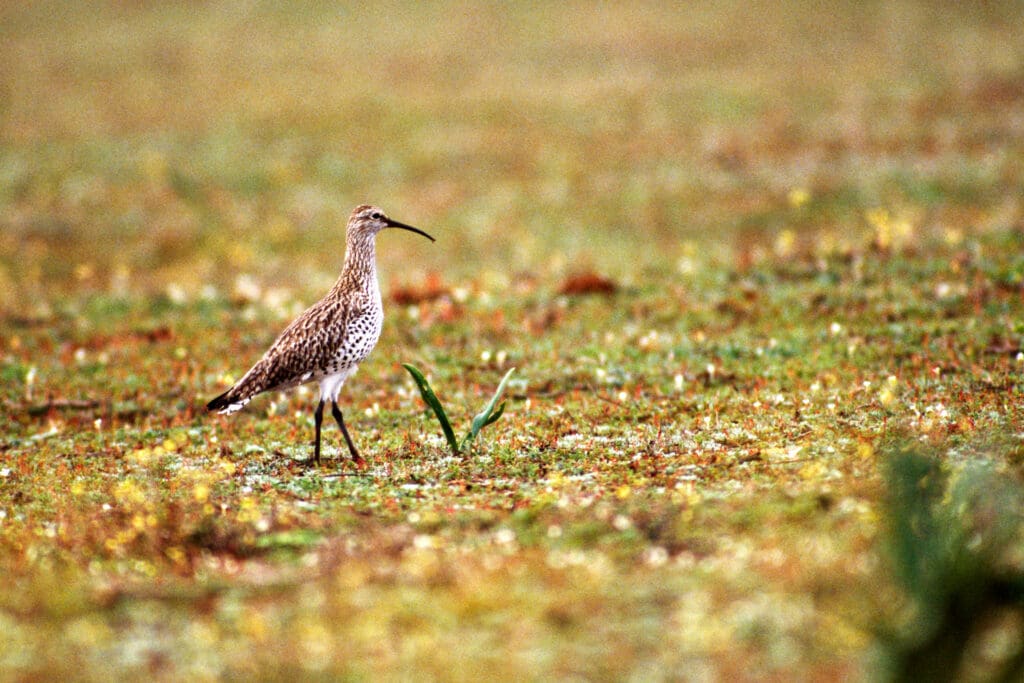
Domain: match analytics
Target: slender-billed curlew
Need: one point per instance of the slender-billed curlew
(329, 339)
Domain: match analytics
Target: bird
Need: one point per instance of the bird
(329, 339)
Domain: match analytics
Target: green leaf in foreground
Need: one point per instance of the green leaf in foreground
(487, 415)
(430, 398)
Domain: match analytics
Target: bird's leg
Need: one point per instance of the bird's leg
(318, 418)
(356, 458)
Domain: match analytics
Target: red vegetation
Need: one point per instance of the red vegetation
(433, 288)
(588, 283)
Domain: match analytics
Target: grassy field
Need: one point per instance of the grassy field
(735, 252)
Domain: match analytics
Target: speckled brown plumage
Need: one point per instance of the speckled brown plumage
(328, 341)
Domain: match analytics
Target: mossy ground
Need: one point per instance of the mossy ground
(813, 221)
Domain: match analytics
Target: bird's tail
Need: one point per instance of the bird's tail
(228, 402)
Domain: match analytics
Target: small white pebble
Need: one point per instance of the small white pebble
(176, 294)
(504, 536)
(656, 556)
(246, 288)
(423, 541)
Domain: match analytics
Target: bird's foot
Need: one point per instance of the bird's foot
(312, 461)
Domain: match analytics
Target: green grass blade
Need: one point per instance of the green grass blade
(488, 414)
(497, 414)
(430, 398)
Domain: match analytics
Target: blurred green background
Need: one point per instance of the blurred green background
(149, 143)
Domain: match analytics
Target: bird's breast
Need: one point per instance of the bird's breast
(361, 335)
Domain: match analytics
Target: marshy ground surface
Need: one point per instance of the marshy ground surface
(732, 251)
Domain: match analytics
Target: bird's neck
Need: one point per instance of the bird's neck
(360, 269)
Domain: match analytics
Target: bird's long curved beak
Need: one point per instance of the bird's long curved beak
(403, 226)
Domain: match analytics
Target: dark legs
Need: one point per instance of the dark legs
(356, 458)
(319, 419)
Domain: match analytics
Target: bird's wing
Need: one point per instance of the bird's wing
(300, 353)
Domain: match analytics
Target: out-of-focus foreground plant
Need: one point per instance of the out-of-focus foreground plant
(954, 542)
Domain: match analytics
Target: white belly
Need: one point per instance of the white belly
(331, 384)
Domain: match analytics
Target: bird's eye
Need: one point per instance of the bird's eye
(377, 215)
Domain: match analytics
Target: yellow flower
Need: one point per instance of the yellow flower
(248, 511)
(201, 492)
(142, 455)
(865, 451)
(886, 397)
(798, 196)
(814, 470)
(127, 491)
(785, 243)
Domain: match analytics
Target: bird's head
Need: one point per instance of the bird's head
(367, 221)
